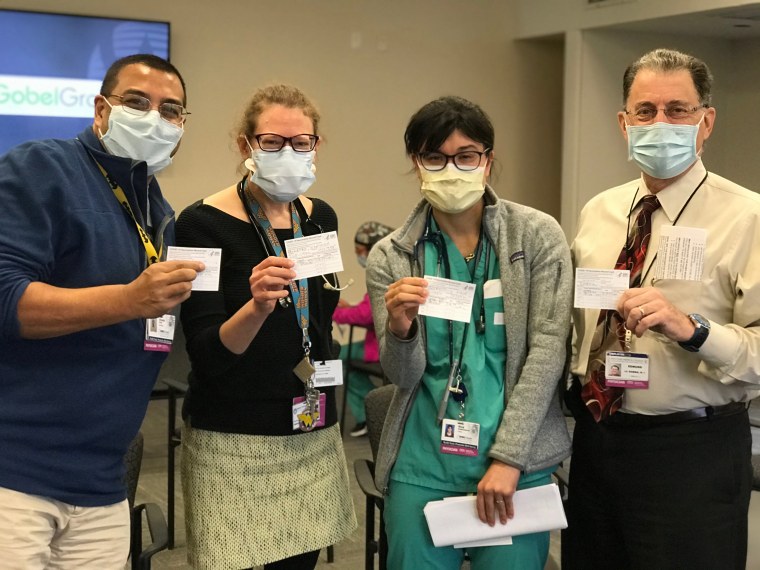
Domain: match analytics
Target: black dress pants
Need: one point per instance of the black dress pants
(672, 496)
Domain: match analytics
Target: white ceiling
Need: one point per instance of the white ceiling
(729, 23)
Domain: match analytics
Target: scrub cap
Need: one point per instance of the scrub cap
(369, 233)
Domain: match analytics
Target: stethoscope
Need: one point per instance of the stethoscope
(436, 238)
(269, 249)
(454, 385)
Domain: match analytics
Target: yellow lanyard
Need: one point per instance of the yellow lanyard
(150, 250)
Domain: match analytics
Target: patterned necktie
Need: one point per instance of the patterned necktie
(603, 401)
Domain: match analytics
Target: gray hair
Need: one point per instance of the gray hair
(665, 60)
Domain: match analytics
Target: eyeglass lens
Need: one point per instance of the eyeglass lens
(466, 160)
(271, 142)
(169, 111)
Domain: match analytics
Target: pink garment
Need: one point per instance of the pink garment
(360, 315)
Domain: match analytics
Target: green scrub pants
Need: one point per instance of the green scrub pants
(411, 548)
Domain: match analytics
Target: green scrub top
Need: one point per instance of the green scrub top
(420, 461)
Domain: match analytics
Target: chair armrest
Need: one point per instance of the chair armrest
(157, 529)
(563, 478)
(364, 470)
(177, 385)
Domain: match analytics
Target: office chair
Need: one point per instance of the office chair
(141, 557)
(376, 404)
(355, 363)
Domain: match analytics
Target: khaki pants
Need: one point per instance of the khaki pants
(37, 533)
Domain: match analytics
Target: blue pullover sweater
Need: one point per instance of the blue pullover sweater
(69, 406)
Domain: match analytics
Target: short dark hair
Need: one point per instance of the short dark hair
(665, 60)
(429, 127)
(153, 61)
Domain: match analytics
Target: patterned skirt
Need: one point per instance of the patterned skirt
(254, 499)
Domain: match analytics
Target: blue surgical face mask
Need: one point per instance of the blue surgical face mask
(283, 175)
(362, 260)
(148, 137)
(663, 150)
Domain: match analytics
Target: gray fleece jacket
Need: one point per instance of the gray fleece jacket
(536, 279)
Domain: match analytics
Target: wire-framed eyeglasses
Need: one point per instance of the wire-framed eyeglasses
(272, 142)
(675, 112)
(138, 105)
(465, 160)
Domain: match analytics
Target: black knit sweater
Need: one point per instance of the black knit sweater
(253, 392)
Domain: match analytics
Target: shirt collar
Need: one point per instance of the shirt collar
(673, 198)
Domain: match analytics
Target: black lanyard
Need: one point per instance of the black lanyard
(458, 391)
(628, 227)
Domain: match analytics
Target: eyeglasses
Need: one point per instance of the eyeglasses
(465, 160)
(271, 142)
(647, 114)
(139, 105)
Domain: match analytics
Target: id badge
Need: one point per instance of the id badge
(301, 414)
(159, 333)
(328, 373)
(459, 437)
(627, 370)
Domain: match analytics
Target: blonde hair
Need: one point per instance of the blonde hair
(279, 94)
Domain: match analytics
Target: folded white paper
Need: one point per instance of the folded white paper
(455, 521)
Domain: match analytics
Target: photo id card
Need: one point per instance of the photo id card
(159, 333)
(299, 409)
(627, 370)
(459, 437)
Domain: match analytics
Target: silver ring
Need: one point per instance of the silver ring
(499, 502)
(643, 314)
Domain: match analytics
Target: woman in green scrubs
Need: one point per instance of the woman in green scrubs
(471, 299)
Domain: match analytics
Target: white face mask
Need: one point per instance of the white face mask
(452, 190)
(148, 137)
(663, 150)
(283, 175)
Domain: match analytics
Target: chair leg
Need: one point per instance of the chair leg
(330, 554)
(370, 544)
(346, 375)
(383, 547)
(171, 444)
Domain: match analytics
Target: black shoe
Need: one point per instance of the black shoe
(359, 430)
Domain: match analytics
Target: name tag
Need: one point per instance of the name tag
(627, 370)
(460, 438)
(328, 373)
(159, 333)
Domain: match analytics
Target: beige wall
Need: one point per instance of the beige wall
(369, 65)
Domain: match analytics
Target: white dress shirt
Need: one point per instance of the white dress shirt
(727, 366)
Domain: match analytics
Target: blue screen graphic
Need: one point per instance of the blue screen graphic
(74, 47)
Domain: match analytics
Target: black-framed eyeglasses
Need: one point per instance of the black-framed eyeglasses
(138, 105)
(272, 142)
(648, 113)
(465, 160)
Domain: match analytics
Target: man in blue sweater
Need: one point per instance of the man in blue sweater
(81, 282)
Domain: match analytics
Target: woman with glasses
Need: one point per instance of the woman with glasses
(475, 409)
(263, 469)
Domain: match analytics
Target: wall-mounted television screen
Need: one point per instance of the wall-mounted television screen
(52, 65)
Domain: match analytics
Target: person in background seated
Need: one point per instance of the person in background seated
(264, 474)
(368, 234)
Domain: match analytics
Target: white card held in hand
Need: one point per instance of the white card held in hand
(600, 288)
(448, 299)
(208, 279)
(315, 255)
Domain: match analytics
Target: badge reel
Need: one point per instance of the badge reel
(458, 437)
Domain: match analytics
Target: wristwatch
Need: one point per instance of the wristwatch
(700, 333)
